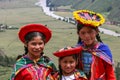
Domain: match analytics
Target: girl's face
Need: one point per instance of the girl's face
(88, 35)
(68, 65)
(35, 47)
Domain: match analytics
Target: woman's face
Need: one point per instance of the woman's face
(35, 47)
(68, 65)
(88, 35)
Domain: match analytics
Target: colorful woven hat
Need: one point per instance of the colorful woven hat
(34, 28)
(88, 18)
(67, 51)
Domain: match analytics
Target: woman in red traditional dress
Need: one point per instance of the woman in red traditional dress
(96, 58)
(33, 65)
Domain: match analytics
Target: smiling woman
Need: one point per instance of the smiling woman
(30, 65)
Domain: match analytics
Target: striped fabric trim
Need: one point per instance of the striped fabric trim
(25, 62)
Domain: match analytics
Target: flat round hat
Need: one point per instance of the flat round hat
(88, 18)
(34, 28)
(67, 51)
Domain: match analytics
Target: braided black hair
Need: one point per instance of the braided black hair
(98, 38)
(60, 72)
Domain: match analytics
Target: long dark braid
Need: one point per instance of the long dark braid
(79, 40)
(79, 27)
(60, 72)
(26, 50)
(98, 38)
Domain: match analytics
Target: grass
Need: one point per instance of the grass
(31, 15)
(64, 14)
(113, 43)
(64, 34)
(4, 73)
(112, 27)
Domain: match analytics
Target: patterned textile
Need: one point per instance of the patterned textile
(39, 70)
(102, 51)
(79, 75)
(102, 63)
(87, 60)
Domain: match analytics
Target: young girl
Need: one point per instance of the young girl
(96, 58)
(67, 64)
(33, 65)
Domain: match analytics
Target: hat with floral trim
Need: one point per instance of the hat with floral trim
(34, 28)
(67, 51)
(88, 18)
